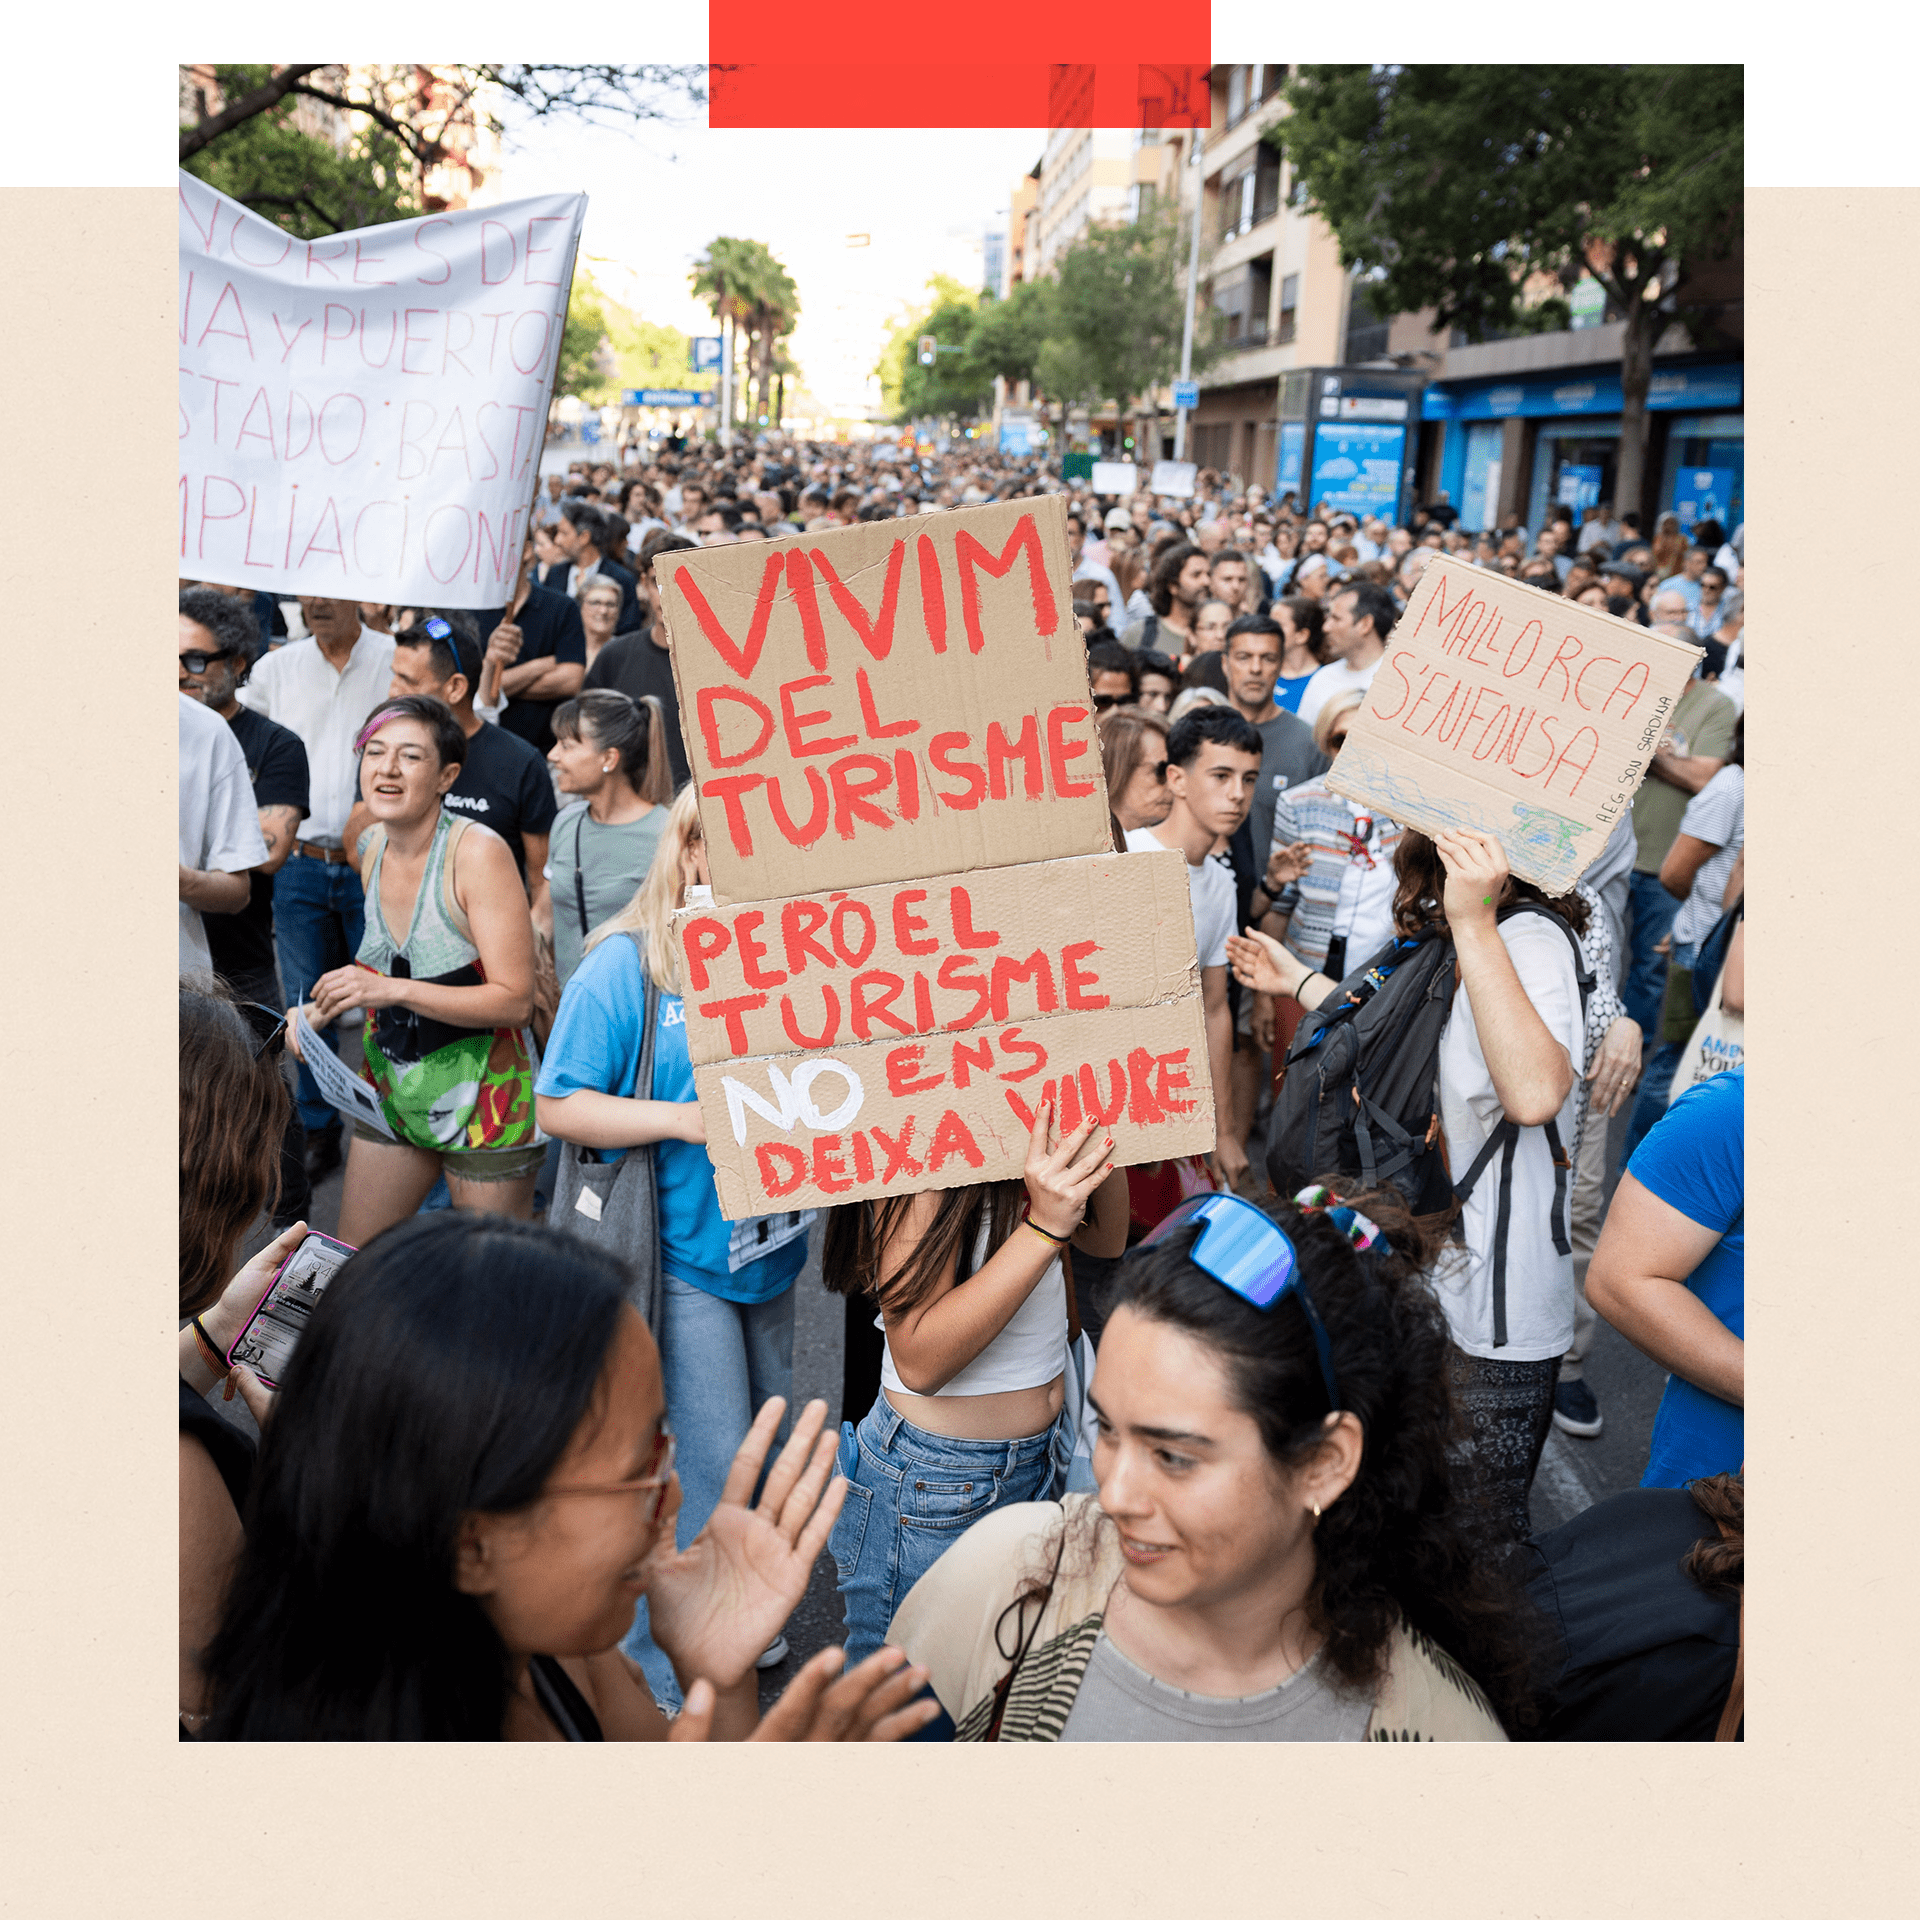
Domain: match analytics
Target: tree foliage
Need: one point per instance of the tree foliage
(1464, 188)
(746, 288)
(1105, 327)
(300, 181)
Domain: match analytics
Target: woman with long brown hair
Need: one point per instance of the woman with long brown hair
(1510, 1052)
(233, 1109)
(973, 1301)
(610, 754)
(1277, 1550)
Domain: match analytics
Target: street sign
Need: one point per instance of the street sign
(665, 397)
(1186, 393)
(703, 355)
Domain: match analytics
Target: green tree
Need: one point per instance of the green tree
(1454, 187)
(1118, 307)
(1008, 335)
(303, 183)
(749, 292)
(910, 391)
(584, 355)
(429, 121)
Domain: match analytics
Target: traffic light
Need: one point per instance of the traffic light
(929, 349)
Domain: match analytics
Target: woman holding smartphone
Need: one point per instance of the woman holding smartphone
(726, 1332)
(470, 1575)
(445, 976)
(973, 1302)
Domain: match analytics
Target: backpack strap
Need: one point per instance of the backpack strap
(1502, 1140)
(1562, 1167)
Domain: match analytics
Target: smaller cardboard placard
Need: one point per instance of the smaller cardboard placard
(886, 1039)
(818, 970)
(953, 1109)
(1515, 713)
(1173, 479)
(1115, 476)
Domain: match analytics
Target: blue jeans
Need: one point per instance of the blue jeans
(910, 1495)
(722, 1362)
(1653, 914)
(319, 914)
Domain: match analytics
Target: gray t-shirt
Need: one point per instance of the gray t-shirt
(612, 860)
(1287, 757)
(1119, 1701)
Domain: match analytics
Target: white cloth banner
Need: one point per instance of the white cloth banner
(362, 417)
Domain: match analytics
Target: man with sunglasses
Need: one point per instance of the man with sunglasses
(218, 644)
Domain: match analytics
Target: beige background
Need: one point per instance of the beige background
(101, 1812)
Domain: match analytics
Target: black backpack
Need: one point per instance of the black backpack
(1359, 1096)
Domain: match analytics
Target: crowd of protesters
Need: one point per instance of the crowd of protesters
(505, 1490)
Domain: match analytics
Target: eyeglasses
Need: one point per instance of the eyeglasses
(276, 1038)
(659, 1473)
(197, 661)
(1249, 1255)
(1158, 769)
(1335, 742)
(1102, 701)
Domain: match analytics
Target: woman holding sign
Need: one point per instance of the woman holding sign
(973, 1302)
(445, 974)
(726, 1332)
(1510, 1051)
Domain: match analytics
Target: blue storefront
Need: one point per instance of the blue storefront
(1570, 443)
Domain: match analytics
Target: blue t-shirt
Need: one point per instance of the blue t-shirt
(1695, 1160)
(1286, 693)
(596, 1046)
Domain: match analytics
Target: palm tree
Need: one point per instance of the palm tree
(748, 290)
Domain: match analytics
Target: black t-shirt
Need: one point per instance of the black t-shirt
(633, 665)
(242, 943)
(504, 785)
(549, 629)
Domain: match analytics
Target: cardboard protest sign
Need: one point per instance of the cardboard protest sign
(880, 1040)
(823, 969)
(1515, 713)
(890, 701)
(361, 416)
(1114, 476)
(1173, 479)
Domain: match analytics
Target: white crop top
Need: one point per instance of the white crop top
(1029, 1351)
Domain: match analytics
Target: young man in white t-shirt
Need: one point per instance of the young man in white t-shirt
(1213, 767)
(1360, 616)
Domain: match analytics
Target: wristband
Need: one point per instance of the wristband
(205, 1341)
(1027, 1219)
(1300, 984)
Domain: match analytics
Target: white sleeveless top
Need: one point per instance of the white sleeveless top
(1029, 1351)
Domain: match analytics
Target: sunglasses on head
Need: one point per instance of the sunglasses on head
(276, 1038)
(197, 660)
(1250, 1255)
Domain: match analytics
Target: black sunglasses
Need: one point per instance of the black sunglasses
(1102, 701)
(276, 1040)
(1158, 768)
(195, 661)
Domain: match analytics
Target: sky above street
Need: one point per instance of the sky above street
(657, 194)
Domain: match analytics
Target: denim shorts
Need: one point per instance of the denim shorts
(910, 1495)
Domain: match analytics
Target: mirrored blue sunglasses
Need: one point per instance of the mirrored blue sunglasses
(1250, 1255)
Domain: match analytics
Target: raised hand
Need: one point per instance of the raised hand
(1477, 873)
(876, 1701)
(1062, 1179)
(716, 1607)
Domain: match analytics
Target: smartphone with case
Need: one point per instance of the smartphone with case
(267, 1341)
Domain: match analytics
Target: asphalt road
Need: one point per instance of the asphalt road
(1573, 1473)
